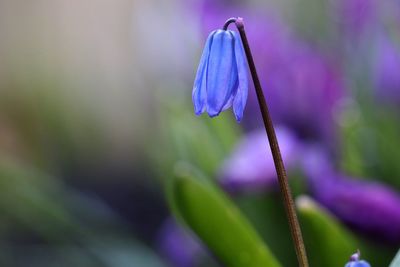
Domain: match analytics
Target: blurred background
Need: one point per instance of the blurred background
(95, 111)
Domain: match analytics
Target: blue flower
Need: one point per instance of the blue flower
(221, 79)
(356, 262)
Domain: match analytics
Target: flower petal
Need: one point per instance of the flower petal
(369, 207)
(251, 169)
(199, 94)
(221, 72)
(361, 263)
(240, 99)
(178, 246)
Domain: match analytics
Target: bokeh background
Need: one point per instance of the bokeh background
(95, 112)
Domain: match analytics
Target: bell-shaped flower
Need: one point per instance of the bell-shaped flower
(221, 79)
(292, 72)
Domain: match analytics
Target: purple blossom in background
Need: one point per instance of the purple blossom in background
(303, 90)
(302, 86)
(387, 70)
(367, 206)
(355, 16)
(177, 246)
(251, 167)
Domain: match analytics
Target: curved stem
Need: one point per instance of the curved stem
(227, 22)
(273, 142)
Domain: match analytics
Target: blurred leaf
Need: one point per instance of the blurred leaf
(268, 216)
(217, 221)
(376, 254)
(107, 252)
(396, 261)
(195, 139)
(55, 130)
(327, 243)
(31, 200)
(370, 143)
(124, 253)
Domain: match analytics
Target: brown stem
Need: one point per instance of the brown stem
(273, 142)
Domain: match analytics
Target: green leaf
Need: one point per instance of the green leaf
(186, 137)
(327, 243)
(31, 200)
(267, 213)
(370, 143)
(217, 221)
(396, 261)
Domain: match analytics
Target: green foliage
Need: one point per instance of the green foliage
(327, 243)
(36, 203)
(75, 230)
(268, 216)
(97, 253)
(379, 128)
(217, 221)
(185, 137)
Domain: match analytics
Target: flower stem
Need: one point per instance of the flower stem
(273, 142)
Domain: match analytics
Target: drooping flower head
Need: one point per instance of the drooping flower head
(356, 262)
(221, 79)
(292, 72)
